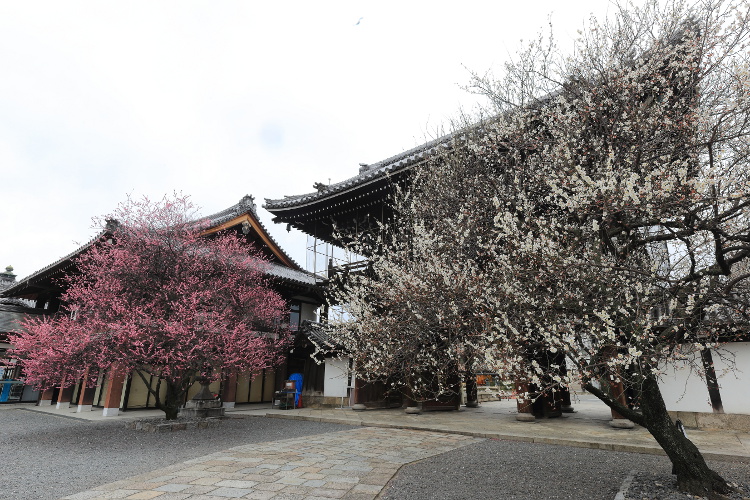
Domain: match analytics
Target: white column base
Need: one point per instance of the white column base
(82, 408)
(62, 404)
(621, 423)
(228, 404)
(45, 402)
(110, 412)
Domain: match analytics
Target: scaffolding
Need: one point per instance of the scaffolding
(324, 258)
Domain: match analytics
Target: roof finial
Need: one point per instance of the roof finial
(111, 225)
(248, 202)
(8, 276)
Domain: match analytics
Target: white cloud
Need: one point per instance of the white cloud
(219, 99)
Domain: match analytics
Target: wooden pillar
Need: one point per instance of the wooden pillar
(552, 404)
(523, 404)
(617, 390)
(566, 407)
(359, 395)
(229, 391)
(46, 398)
(113, 396)
(409, 405)
(282, 372)
(472, 400)
(86, 395)
(65, 394)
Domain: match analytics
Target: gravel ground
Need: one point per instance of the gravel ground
(46, 456)
(512, 470)
(657, 485)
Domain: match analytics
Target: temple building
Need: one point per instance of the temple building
(353, 208)
(12, 388)
(112, 394)
(356, 205)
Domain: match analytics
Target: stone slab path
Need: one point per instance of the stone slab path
(354, 464)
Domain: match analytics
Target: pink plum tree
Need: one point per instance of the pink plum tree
(154, 296)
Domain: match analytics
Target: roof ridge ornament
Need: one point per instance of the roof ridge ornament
(8, 275)
(110, 225)
(248, 203)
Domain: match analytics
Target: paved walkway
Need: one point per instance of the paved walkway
(587, 428)
(357, 463)
(354, 464)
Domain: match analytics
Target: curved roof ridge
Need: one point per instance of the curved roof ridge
(245, 205)
(25, 281)
(287, 273)
(367, 172)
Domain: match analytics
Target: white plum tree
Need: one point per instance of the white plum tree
(598, 214)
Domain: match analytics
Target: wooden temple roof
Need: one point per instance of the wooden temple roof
(242, 215)
(47, 279)
(346, 203)
(11, 312)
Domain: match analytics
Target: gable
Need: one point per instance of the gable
(254, 231)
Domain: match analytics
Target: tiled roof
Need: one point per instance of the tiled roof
(367, 174)
(11, 313)
(289, 274)
(318, 336)
(22, 283)
(245, 205)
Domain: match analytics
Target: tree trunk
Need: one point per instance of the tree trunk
(693, 475)
(173, 399)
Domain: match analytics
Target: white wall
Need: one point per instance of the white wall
(336, 380)
(684, 390)
(734, 385)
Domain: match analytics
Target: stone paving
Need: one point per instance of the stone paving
(588, 427)
(314, 467)
(354, 464)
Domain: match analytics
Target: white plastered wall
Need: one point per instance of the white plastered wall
(336, 378)
(684, 390)
(734, 381)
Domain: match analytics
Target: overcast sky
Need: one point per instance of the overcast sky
(225, 98)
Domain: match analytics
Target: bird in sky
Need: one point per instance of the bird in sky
(359, 21)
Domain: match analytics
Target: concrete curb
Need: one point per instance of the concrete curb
(576, 443)
(55, 414)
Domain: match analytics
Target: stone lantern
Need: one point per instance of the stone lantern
(203, 405)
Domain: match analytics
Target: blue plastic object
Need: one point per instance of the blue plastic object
(5, 392)
(296, 377)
